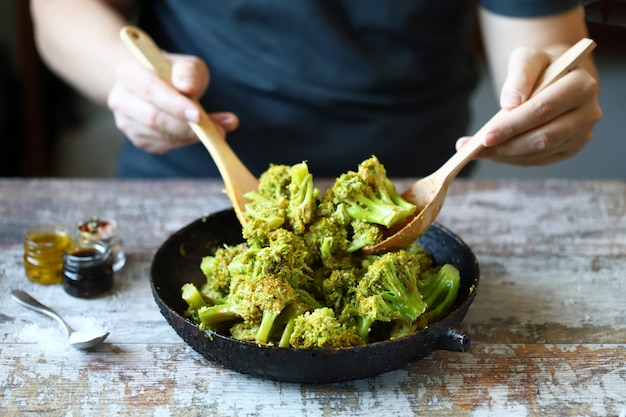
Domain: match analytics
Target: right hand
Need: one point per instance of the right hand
(153, 114)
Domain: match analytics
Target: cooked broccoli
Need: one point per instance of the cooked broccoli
(263, 213)
(286, 197)
(299, 279)
(351, 317)
(339, 287)
(388, 290)
(254, 301)
(439, 288)
(302, 198)
(216, 270)
(267, 208)
(328, 238)
(287, 320)
(287, 256)
(192, 296)
(369, 196)
(321, 329)
(364, 234)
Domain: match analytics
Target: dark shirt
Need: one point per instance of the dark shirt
(328, 82)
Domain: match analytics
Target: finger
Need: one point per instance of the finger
(524, 68)
(228, 121)
(152, 89)
(542, 144)
(140, 111)
(190, 75)
(148, 139)
(550, 103)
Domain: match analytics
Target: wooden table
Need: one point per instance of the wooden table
(548, 324)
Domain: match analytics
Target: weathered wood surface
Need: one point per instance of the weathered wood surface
(548, 324)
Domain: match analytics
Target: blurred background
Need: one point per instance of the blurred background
(48, 130)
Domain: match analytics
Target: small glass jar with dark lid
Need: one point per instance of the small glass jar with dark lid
(104, 230)
(88, 269)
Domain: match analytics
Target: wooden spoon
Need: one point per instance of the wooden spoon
(236, 176)
(428, 194)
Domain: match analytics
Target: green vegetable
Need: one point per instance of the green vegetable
(369, 196)
(321, 329)
(299, 279)
(388, 290)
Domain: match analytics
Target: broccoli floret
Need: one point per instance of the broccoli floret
(287, 320)
(302, 198)
(339, 287)
(369, 196)
(328, 238)
(268, 205)
(274, 182)
(263, 212)
(364, 234)
(351, 317)
(216, 270)
(258, 301)
(286, 197)
(244, 331)
(192, 296)
(440, 290)
(321, 329)
(287, 256)
(194, 300)
(388, 290)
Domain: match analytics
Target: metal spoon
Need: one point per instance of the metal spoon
(78, 340)
(236, 176)
(429, 193)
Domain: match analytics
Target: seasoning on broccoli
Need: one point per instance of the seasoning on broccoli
(321, 329)
(260, 300)
(388, 290)
(439, 288)
(299, 279)
(369, 196)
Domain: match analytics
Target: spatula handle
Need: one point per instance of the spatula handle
(236, 176)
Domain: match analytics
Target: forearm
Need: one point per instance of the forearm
(554, 34)
(78, 40)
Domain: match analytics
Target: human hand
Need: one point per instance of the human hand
(153, 114)
(553, 125)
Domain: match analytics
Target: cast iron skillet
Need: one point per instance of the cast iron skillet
(178, 261)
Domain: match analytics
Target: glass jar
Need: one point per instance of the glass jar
(97, 229)
(88, 269)
(44, 247)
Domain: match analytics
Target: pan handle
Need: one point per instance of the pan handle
(453, 339)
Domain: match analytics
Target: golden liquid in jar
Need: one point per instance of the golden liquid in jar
(43, 253)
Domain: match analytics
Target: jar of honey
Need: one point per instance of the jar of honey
(88, 269)
(43, 253)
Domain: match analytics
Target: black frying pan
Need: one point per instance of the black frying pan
(178, 261)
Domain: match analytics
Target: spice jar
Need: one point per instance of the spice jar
(43, 253)
(96, 229)
(88, 269)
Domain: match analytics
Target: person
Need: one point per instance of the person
(327, 82)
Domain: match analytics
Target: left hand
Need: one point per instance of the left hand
(553, 125)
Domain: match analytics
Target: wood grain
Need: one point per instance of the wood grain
(548, 324)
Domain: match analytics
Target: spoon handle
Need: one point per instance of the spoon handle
(562, 65)
(237, 178)
(29, 302)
